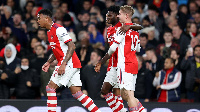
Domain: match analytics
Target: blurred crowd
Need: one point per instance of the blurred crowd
(170, 45)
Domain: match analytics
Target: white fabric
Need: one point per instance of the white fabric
(62, 34)
(70, 78)
(118, 37)
(51, 94)
(83, 96)
(52, 108)
(111, 77)
(52, 101)
(126, 80)
(112, 48)
(14, 53)
(156, 81)
(174, 84)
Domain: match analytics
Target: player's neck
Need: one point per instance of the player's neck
(128, 21)
(49, 24)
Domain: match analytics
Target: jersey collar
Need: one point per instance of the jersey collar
(128, 24)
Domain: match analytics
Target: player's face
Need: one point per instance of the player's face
(121, 16)
(41, 19)
(111, 17)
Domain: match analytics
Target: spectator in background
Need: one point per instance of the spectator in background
(136, 20)
(97, 18)
(45, 77)
(174, 54)
(192, 30)
(197, 20)
(168, 43)
(183, 9)
(95, 36)
(28, 8)
(14, 6)
(192, 67)
(55, 5)
(150, 31)
(58, 14)
(91, 80)
(17, 26)
(193, 43)
(10, 56)
(64, 8)
(27, 80)
(87, 5)
(37, 62)
(84, 50)
(154, 63)
(68, 23)
(193, 7)
(41, 34)
(144, 43)
(6, 80)
(170, 21)
(141, 9)
(84, 20)
(181, 39)
(167, 82)
(155, 19)
(144, 80)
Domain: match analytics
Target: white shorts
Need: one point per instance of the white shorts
(71, 77)
(111, 77)
(126, 80)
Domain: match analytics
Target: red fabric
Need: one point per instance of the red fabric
(18, 48)
(163, 94)
(114, 58)
(194, 34)
(57, 47)
(130, 57)
(39, 8)
(157, 3)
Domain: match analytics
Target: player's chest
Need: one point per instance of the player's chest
(53, 40)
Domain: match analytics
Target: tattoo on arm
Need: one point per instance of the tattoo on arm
(70, 51)
(51, 59)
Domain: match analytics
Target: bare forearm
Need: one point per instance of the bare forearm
(136, 27)
(51, 59)
(105, 58)
(70, 51)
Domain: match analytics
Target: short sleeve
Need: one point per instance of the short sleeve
(62, 34)
(118, 38)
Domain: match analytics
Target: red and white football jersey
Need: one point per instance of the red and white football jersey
(58, 37)
(127, 60)
(110, 35)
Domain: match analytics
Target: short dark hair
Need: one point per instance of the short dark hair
(150, 49)
(98, 51)
(114, 9)
(153, 7)
(46, 12)
(177, 51)
(173, 1)
(144, 35)
(196, 47)
(41, 46)
(172, 60)
(167, 31)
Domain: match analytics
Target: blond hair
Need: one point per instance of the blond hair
(127, 9)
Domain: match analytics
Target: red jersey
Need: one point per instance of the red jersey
(127, 60)
(110, 35)
(58, 37)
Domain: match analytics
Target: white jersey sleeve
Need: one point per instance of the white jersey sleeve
(62, 34)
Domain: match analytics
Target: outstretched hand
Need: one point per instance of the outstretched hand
(97, 67)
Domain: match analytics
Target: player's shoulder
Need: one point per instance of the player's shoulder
(55, 25)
